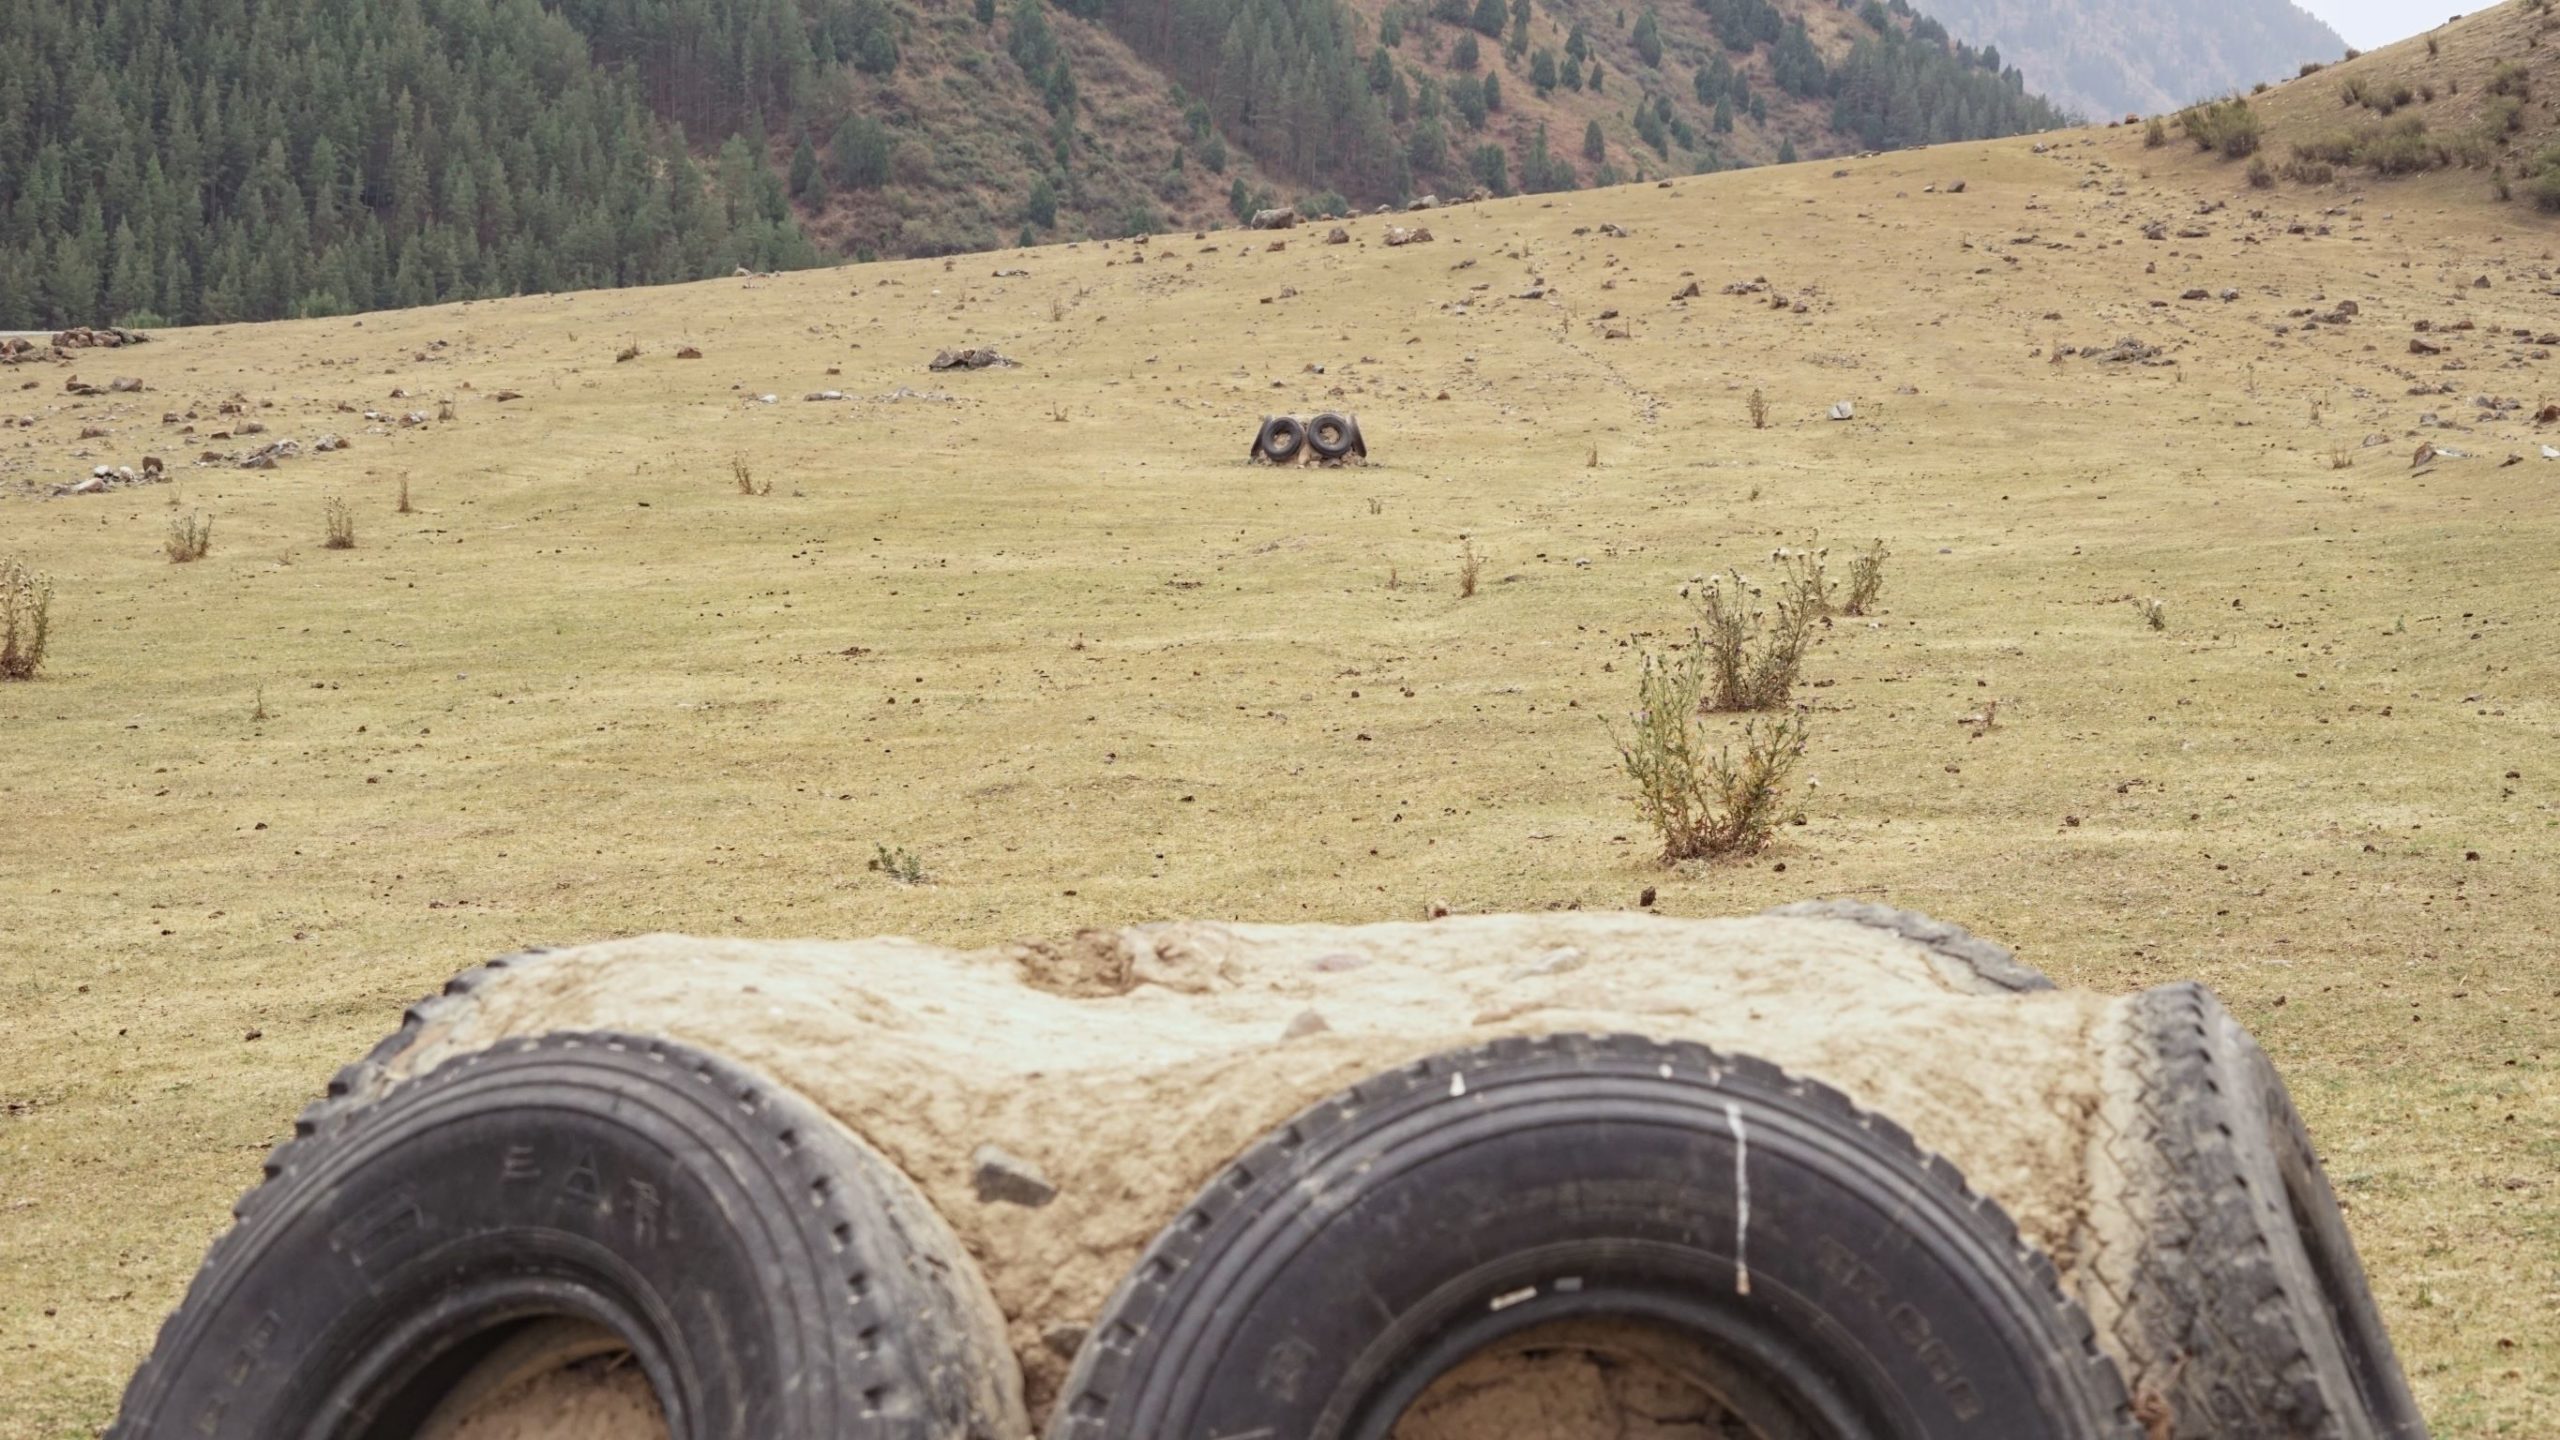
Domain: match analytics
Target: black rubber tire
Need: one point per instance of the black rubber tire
(1320, 1283)
(1983, 966)
(2219, 1264)
(771, 1275)
(1282, 440)
(1329, 436)
(1359, 446)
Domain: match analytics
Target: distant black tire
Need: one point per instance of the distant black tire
(1985, 966)
(1327, 1278)
(1331, 436)
(768, 1273)
(2219, 1261)
(1281, 440)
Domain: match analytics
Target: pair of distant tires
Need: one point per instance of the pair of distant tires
(1285, 439)
(1802, 1267)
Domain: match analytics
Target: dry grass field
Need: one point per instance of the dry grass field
(1044, 628)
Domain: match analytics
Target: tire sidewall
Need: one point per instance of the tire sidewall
(1544, 1190)
(614, 1184)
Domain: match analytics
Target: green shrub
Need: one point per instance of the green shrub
(2511, 78)
(2308, 172)
(2228, 126)
(2260, 177)
(2402, 149)
(2336, 148)
(2155, 134)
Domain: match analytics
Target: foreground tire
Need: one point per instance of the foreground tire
(552, 1199)
(1982, 966)
(1842, 1282)
(1281, 440)
(1331, 436)
(2223, 1271)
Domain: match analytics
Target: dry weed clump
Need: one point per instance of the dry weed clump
(2342, 459)
(745, 476)
(1701, 804)
(1866, 579)
(339, 523)
(1753, 643)
(190, 536)
(404, 507)
(1758, 407)
(2155, 611)
(1470, 566)
(26, 618)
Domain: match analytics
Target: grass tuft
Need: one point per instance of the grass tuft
(26, 619)
(1703, 805)
(190, 537)
(1754, 643)
(340, 525)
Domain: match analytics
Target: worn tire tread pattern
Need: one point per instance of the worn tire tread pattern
(2180, 1270)
(1994, 966)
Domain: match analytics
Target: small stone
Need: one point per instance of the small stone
(1844, 411)
(1063, 1341)
(1304, 1024)
(1007, 1179)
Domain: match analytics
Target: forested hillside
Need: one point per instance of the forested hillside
(2106, 58)
(190, 161)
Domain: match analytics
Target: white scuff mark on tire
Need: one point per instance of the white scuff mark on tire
(1741, 1200)
(1510, 1298)
(1458, 1085)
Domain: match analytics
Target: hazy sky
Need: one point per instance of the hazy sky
(2369, 23)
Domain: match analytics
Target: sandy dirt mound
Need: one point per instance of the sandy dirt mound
(592, 1401)
(1124, 1068)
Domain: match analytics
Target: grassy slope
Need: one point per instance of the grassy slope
(1095, 669)
(2466, 51)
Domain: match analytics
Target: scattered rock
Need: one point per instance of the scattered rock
(2125, 350)
(503, 396)
(1615, 232)
(2424, 347)
(1955, 187)
(1687, 292)
(689, 352)
(1283, 218)
(971, 359)
(2197, 294)
(1304, 1024)
(1003, 1178)
(1844, 410)
(1427, 202)
(1398, 235)
(327, 443)
(1337, 236)
(828, 394)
